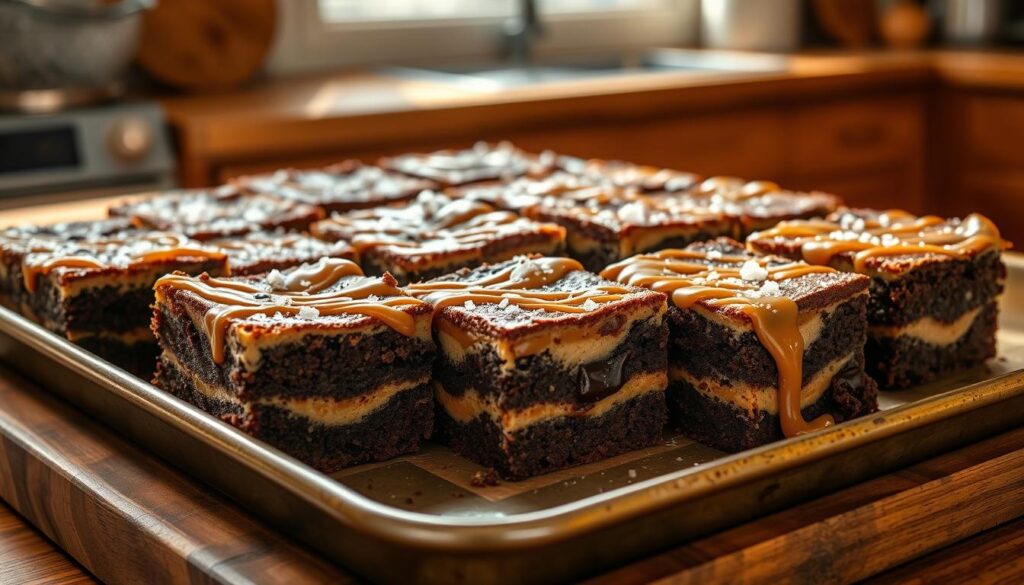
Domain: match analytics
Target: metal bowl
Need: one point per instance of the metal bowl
(61, 44)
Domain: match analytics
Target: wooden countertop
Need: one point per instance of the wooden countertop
(127, 517)
(359, 109)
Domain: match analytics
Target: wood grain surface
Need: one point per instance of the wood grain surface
(123, 515)
(861, 531)
(128, 518)
(29, 557)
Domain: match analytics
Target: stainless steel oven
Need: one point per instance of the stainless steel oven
(103, 150)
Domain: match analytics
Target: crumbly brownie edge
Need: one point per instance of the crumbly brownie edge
(943, 290)
(104, 308)
(397, 428)
(558, 443)
(723, 355)
(540, 379)
(900, 362)
(317, 365)
(723, 426)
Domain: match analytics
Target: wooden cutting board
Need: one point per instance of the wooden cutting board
(201, 45)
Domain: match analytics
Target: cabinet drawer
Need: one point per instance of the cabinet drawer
(993, 127)
(853, 136)
(745, 144)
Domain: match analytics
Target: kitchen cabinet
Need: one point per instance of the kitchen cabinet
(866, 148)
(980, 164)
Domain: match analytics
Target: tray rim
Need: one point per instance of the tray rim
(467, 534)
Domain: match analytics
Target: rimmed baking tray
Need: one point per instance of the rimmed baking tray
(421, 518)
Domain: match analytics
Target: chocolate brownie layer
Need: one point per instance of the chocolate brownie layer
(943, 290)
(724, 355)
(557, 443)
(721, 425)
(394, 429)
(899, 362)
(539, 379)
(312, 367)
(114, 307)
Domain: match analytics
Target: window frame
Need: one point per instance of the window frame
(307, 43)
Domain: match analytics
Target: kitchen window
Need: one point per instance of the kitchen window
(318, 34)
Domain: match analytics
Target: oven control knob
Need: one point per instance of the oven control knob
(130, 139)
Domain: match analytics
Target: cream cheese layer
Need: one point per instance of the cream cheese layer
(319, 409)
(930, 330)
(581, 344)
(749, 398)
(471, 404)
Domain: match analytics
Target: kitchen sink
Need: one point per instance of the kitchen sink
(503, 75)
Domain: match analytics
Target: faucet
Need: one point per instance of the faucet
(520, 32)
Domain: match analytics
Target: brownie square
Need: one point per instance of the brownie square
(259, 252)
(435, 234)
(606, 223)
(339, 188)
(760, 348)
(483, 162)
(627, 175)
(330, 366)
(934, 284)
(757, 205)
(207, 214)
(18, 241)
(97, 292)
(544, 366)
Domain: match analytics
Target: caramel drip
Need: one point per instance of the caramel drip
(892, 233)
(234, 299)
(775, 318)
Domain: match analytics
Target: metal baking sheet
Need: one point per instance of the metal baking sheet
(422, 518)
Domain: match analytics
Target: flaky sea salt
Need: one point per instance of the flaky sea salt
(276, 280)
(590, 305)
(633, 212)
(503, 303)
(713, 255)
(470, 304)
(308, 312)
(751, 270)
(770, 288)
(713, 275)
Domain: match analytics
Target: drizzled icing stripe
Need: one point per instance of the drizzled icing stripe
(298, 291)
(775, 318)
(891, 233)
(518, 285)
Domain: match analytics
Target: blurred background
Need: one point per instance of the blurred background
(896, 103)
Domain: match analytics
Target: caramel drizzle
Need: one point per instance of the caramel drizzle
(517, 286)
(775, 319)
(301, 289)
(170, 247)
(892, 233)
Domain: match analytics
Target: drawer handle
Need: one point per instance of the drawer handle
(861, 136)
